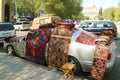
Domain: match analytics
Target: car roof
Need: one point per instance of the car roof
(5, 23)
(97, 20)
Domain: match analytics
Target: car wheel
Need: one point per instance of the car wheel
(77, 69)
(10, 50)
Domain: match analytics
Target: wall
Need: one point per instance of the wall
(2, 2)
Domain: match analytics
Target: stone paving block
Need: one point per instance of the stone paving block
(15, 68)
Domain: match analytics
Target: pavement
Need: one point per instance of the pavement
(15, 68)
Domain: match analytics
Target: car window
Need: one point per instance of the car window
(42, 22)
(86, 24)
(26, 23)
(4, 27)
(107, 25)
(101, 24)
(96, 24)
(17, 23)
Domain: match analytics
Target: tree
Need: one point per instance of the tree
(117, 14)
(100, 15)
(31, 6)
(63, 8)
(109, 13)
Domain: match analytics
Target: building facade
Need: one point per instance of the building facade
(91, 11)
(1, 10)
(5, 12)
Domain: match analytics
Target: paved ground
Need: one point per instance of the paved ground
(14, 68)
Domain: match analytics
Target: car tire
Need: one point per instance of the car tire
(10, 50)
(77, 69)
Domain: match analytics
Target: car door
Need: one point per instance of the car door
(21, 46)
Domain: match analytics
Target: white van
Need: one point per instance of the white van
(24, 25)
(6, 30)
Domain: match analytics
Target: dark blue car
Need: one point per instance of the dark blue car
(97, 26)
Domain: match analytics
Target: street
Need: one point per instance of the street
(14, 68)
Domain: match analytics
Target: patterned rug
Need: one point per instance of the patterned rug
(86, 38)
(99, 62)
(58, 46)
(36, 46)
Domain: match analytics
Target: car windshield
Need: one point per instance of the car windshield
(5, 27)
(26, 23)
(96, 24)
(18, 23)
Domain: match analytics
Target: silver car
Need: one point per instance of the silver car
(6, 30)
(79, 53)
(24, 25)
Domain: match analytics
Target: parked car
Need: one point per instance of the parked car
(79, 53)
(23, 25)
(6, 30)
(97, 26)
(44, 19)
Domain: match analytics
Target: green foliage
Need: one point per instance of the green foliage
(62, 8)
(32, 7)
(79, 17)
(109, 13)
(117, 14)
(112, 13)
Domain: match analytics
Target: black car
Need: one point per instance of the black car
(97, 26)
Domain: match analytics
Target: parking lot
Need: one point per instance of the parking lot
(14, 68)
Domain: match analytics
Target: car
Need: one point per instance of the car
(6, 30)
(97, 26)
(44, 19)
(23, 25)
(81, 49)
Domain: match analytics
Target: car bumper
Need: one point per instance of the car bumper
(110, 63)
(86, 66)
(25, 28)
(115, 34)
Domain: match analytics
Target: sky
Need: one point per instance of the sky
(101, 3)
